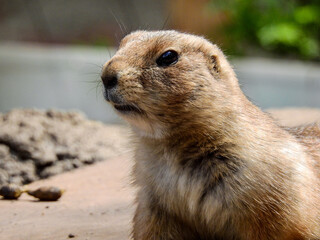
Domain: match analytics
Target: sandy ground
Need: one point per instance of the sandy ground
(98, 202)
(295, 116)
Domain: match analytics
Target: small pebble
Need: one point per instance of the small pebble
(71, 235)
(10, 191)
(46, 193)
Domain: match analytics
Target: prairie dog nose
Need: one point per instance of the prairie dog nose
(110, 80)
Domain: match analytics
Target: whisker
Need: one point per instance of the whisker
(117, 37)
(94, 64)
(164, 26)
(99, 87)
(118, 22)
(109, 53)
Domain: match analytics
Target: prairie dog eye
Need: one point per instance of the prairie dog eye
(167, 58)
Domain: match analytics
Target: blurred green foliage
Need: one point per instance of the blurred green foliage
(283, 27)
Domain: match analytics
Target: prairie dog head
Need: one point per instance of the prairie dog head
(161, 80)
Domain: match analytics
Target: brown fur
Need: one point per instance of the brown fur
(209, 164)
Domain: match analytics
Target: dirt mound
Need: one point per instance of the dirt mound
(37, 144)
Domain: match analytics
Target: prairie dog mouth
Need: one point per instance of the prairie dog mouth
(126, 108)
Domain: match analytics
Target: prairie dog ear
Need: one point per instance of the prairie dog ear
(220, 68)
(214, 57)
(218, 64)
(215, 64)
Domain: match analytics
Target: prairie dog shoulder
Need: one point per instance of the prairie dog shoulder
(209, 164)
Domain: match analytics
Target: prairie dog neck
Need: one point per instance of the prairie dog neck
(231, 127)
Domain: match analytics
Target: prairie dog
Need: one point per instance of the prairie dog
(208, 163)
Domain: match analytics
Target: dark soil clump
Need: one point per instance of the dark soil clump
(37, 144)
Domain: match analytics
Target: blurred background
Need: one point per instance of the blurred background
(52, 51)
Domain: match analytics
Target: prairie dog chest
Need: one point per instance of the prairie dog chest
(156, 172)
(174, 188)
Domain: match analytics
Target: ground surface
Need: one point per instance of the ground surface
(98, 202)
